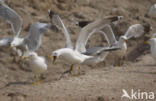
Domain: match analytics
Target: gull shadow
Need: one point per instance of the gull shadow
(16, 83)
(140, 72)
(138, 51)
(150, 65)
(19, 83)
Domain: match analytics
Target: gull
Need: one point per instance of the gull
(78, 53)
(136, 30)
(32, 41)
(37, 64)
(14, 20)
(152, 11)
(152, 43)
(121, 43)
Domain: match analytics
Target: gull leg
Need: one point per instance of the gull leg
(14, 59)
(36, 80)
(116, 63)
(121, 62)
(20, 58)
(78, 73)
(67, 71)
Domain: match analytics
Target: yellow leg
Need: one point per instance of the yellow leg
(36, 80)
(14, 59)
(121, 62)
(118, 63)
(67, 71)
(78, 73)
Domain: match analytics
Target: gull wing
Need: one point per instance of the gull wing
(135, 30)
(59, 23)
(33, 39)
(96, 59)
(109, 34)
(99, 50)
(89, 30)
(11, 17)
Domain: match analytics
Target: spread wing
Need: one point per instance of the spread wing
(89, 30)
(59, 23)
(135, 31)
(33, 40)
(11, 17)
(109, 34)
(99, 50)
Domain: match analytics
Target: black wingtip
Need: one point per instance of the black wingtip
(83, 23)
(51, 13)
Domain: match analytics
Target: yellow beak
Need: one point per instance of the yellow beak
(54, 59)
(11, 47)
(50, 57)
(25, 57)
(145, 42)
(126, 41)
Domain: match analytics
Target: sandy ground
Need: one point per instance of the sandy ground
(101, 82)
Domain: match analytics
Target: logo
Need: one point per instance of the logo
(137, 94)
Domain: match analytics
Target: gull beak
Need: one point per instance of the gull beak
(145, 42)
(50, 57)
(126, 41)
(25, 57)
(11, 47)
(54, 59)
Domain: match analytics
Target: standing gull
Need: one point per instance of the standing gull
(78, 54)
(37, 64)
(29, 44)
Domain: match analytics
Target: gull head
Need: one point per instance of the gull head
(123, 39)
(64, 52)
(16, 42)
(30, 55)
(33, 55)
(120, 17)
(55, 55)
(40, 27)
(147, 27)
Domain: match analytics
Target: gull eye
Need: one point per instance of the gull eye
(55, 54)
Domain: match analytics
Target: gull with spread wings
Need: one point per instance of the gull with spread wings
(79, 54)
(136, 30)
(32, 41)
